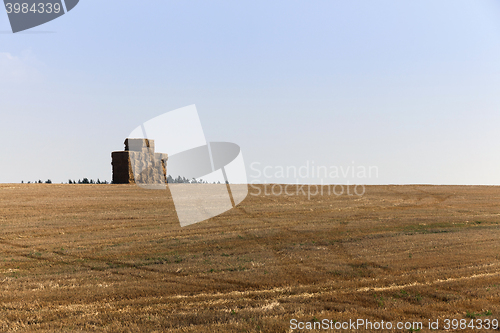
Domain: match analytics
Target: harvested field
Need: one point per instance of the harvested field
(113, 258)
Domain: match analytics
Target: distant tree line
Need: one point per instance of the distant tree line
(70, 181)
(48, 181)
(184, 180)
(88, 181)
(170, 180)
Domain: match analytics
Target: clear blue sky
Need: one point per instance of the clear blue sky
(411, 87)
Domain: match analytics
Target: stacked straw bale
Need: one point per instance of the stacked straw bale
(139, 164)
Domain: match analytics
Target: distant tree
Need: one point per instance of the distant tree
(184, 180)
(22, 181)
(201, 181)
(48, 181)
(39, 181)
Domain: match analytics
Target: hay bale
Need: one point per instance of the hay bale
(139, 164)
(140, 145)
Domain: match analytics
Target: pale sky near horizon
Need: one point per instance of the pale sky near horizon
(411, 87)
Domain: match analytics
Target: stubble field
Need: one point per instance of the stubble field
(113, 258)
